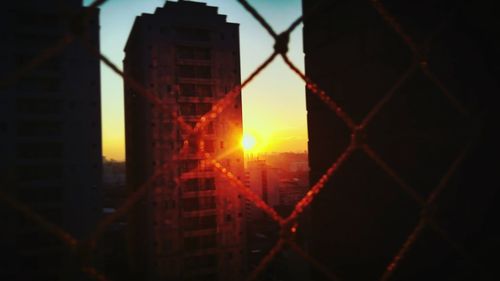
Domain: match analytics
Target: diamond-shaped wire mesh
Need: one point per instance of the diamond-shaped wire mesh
(358, 142)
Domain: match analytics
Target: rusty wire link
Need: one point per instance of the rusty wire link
(405, 248)
(315, 89)
(76, 247)
(387, 97)
(225, 101)
(42, 57)
(287, 225)
(313, 261)
(94, 274)
(258, 17)
(418, 54)
(391, 20)
(49, 52)
(316, 188)
(245, 191)
(394, 175)
(427, 219)
(266, 260)
(306, 16)
(431, 199)
(38, 220)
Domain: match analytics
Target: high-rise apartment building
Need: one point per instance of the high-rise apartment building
(263, 180)
(435, 104)
(189, 225)
(50, 135)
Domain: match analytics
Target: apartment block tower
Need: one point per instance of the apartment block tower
(189, 224)
(50, 135)
(433, 105)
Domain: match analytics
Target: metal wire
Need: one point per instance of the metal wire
(280, 48)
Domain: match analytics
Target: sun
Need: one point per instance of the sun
(248, 142)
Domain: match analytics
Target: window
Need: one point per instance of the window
(197, 262)
(40, 150)
(192, 34)
(203, 108)
(195, 108)
(194, 53)
(187, 166)
(200, 242)
(199, 184)
(39, 172)
(169, 204)
(209, 183)
(200, 222)
(206, 166)
(33, 194)
(39, 128)
(209, 146)
(203, 71)
(193, 146)
(167, 127)
(165, 181)
(33, 240)
(35, 38)
(187, 71)
(38, 19)
(199, 203)
(187, 90)
(196, 90)
(204, 90)
(54, 215)
(187, 108)
(191, 185)
(39, 83)
(194, 71)
(53, 64)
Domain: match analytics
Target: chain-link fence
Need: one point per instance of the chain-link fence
(83, 249)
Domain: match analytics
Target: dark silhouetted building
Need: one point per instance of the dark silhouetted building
(189, 225)
(50, 136)
(363, 216)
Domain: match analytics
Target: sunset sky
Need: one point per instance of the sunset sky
(273, 104)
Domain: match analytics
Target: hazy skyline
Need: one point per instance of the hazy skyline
(273, 103)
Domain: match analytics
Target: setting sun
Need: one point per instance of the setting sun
(248, 142)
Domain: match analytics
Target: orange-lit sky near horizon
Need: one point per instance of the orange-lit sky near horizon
(273, 103)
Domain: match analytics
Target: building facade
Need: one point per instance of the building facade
(189, 226)
(50, 136)
(362, 217)
(263, 180)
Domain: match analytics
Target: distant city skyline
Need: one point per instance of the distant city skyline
(276, 125)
